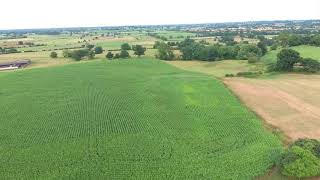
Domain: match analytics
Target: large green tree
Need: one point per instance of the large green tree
(124, 54)
(109, 55)
(286, 59)
(98, 50)
(125, 46)
(164, 51)
(139, 50)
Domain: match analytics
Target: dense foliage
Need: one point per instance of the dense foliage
(98, 50)
(286, 39)
(139, 50)
(125, 47)
(192, 50)
(310, 65)
(164, 51)
(302, 159)
(53, 54)
(79, 54)
(8, 50)
(289, 58)
(124, 54)
(140, 119)
(109, 55)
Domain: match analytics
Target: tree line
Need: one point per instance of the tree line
(289, 40)
(192, 50)
(90, 51)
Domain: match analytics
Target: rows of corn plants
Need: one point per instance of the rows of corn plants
(127, 119)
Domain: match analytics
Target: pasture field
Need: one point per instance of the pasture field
(175, 35)
(305, 51)
(45, 42)
(127, 119)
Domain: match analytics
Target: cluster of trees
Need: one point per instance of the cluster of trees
(123, 55)
(192, 50)
(302, 159)
(89, 51)
(289, 58)
(79, 54)
(139, 50)
(8, 50)
(290, 40)
(198, 51)
(228, 40)
(164, 51)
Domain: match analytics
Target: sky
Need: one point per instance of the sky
(24, 14)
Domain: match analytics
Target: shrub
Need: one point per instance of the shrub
(263, 47)
(274, 47)
(139, 50)
(116, 56)
(164, 52)
(310, 65)
(81, 53)
(109, 55)
(249, 74)
(53, 54)
(125, 47)
(299, 162)
(312, 145)
(11, 51)
(248, 50)
(91, 54)
(89, 46)
(98, 50)
(229, 75)
(124, 54)
(66, 53)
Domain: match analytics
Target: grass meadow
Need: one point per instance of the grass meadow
(305, 51)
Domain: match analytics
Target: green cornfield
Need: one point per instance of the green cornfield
(127, 119)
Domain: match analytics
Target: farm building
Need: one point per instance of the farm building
(14, 64)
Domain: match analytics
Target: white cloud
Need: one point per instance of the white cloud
(66, 13)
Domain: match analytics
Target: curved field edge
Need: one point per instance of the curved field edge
(127, 119)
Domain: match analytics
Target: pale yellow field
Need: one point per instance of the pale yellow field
(217, 68)
(290, 102)
(38, 59)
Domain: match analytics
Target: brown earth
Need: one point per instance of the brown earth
(289, 102)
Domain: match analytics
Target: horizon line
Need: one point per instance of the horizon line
(141, 25)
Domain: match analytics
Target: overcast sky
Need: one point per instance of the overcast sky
(20, 14)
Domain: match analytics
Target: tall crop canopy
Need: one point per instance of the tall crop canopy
(127, 119)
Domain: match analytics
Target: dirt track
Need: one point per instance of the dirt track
(290, 102)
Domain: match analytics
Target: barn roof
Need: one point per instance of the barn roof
(22, 61)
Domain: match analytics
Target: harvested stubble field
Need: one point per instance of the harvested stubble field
(290, 102)
(127, 119)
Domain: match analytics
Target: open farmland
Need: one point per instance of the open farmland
(127, 119)
(290, 102)
(39, 59)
